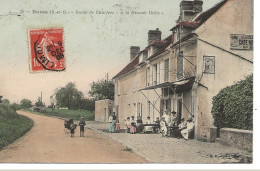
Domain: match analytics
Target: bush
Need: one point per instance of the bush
(12, 125)
(233, 106)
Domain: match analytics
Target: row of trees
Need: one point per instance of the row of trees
(69, 96)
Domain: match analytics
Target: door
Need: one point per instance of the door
(105, 114)
(179, 110)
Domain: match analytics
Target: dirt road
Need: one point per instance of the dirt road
(46, 142)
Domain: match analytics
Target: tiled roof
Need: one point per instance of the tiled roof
(189, 24)
(207, 14)
(199, 20)
(134, 63)
(166, 42)
(128, 67)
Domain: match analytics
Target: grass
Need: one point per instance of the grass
(73, 114)
(12, 125)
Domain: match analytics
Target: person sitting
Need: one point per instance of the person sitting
(133, 126)
(188, 130)
(157, 128)
(182, 126)
(128, 124)
(163, 126)
(117, 126)
(148, 128)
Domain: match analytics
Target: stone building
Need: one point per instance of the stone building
(103, 109)
(206, 52)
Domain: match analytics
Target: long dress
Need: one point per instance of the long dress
(112, 126)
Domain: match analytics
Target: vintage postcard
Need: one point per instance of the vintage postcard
(127, 82)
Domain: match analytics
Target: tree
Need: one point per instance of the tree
(69, 96)
(102, 89)
(39, 103)
(25, 103)
(88, 104)
(5, 101)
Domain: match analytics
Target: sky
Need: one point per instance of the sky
(95, 44)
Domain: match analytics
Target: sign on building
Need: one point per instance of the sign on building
(209, 64)
(241, 42)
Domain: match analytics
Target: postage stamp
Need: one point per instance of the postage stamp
(46, 49)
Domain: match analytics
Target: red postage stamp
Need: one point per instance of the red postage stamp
(46, 49)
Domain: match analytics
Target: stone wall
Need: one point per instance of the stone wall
(239, 138)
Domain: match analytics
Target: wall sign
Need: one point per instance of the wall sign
(209, 64)
(241, 42)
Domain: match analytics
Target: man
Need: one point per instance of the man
(188, 130)
(82, 123)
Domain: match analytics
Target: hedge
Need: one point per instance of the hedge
(233, 106)
(12, 125)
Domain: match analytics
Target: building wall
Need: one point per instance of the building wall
(233, 18)
(103, 109)
(131, 101)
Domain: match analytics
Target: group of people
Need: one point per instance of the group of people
(71, 126)
(114, 124)
(185, 128)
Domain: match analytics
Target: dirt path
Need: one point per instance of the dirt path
(46, 142)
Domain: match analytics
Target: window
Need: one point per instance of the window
(180, 65)
(155, 74)
(148, 77)
(166, 70)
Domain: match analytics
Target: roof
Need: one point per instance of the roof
(165, 43)
(188, 24)
(128, 67)
(201, 18)
(134, 63)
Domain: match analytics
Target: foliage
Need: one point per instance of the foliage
(12, 125)
(69, 96)
(88, 104)
(102, 89)
(5, 101)
(25, 103)
(65, 113)
(39, 103)
(233, 106)
(15, 106)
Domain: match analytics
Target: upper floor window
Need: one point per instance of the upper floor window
(166, 70)
(156, 74)
(180, 65)
(148, 76)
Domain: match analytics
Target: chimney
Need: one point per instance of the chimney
(189, 9)
(198, 5)
(154, 35)
(134, 50)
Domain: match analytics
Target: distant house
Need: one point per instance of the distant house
(206, 52)
(103, 109)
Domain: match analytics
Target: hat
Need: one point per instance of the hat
(128, 117)
(132, 117)
(148, 116)
(81, 117)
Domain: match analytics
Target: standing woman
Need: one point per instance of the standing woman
(112, 126)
